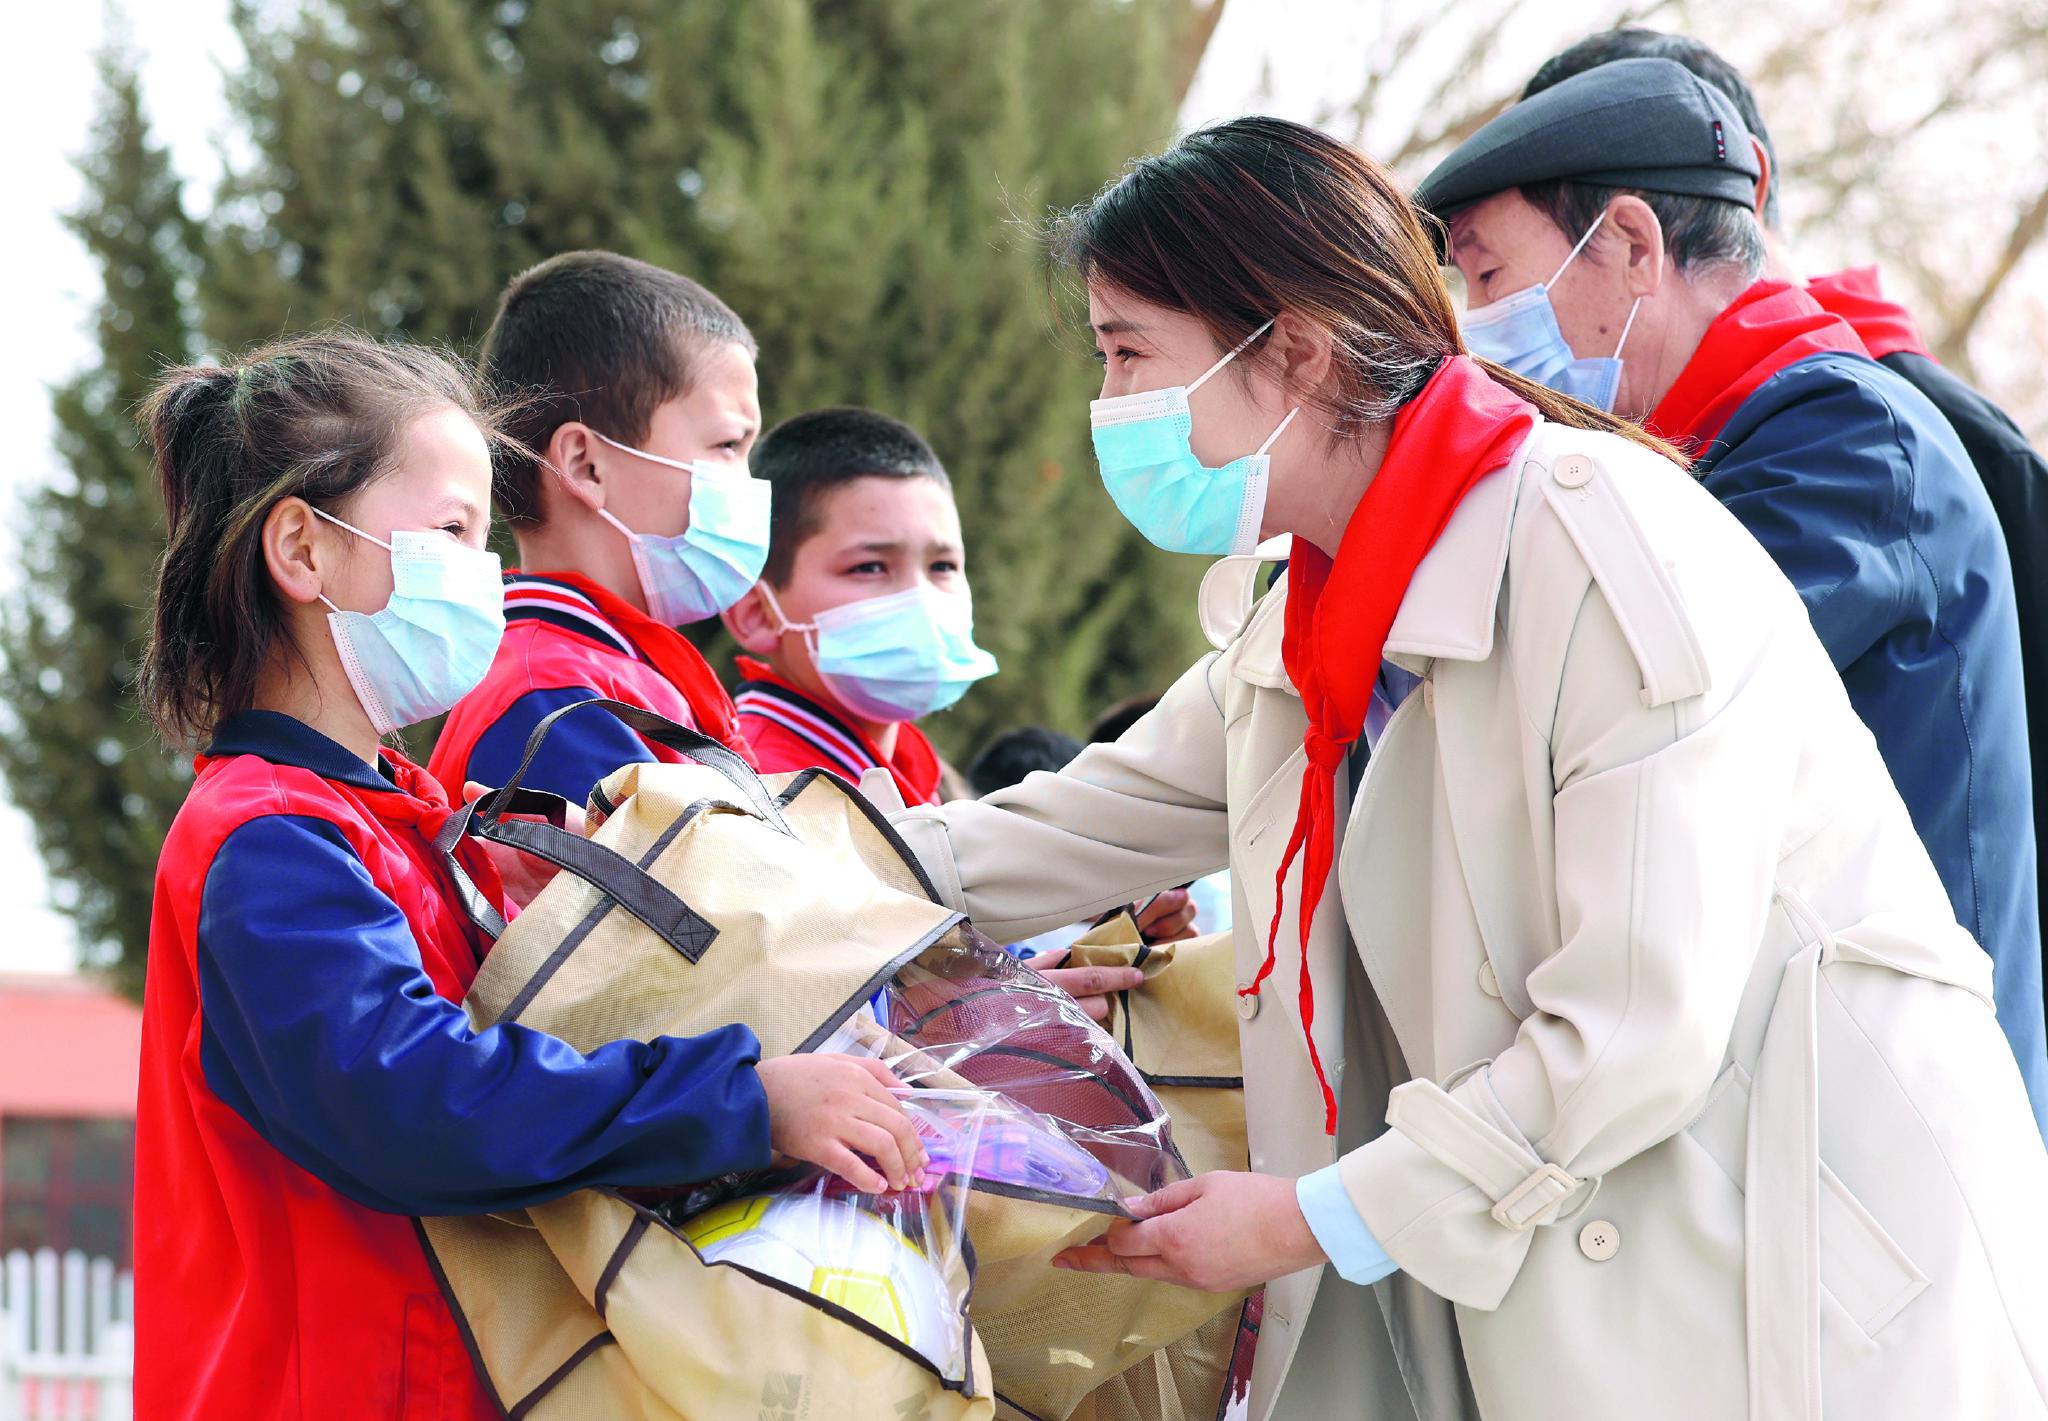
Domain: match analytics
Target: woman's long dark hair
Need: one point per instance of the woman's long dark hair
(1246, 219)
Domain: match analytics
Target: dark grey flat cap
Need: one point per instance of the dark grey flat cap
(1636, 123)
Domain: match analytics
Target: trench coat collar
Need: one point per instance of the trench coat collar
(1450, 605)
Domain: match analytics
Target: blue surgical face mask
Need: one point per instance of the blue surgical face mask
(709, 565)
(1521, 333)
(433, 640)
(1169, 495)
(897, 657)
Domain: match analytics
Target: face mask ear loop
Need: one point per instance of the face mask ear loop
(807, 630)
(1274, 437)
(1230, 355)
(323, 513)
(689, 468)
(1569, 258)
(1627, 326)
(627, 533)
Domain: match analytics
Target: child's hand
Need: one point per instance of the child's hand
(523, 875)
(829, 1110)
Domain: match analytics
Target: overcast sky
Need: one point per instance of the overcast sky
(47, 104)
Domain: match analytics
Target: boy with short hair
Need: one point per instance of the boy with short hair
(635, 514)
(862, 621)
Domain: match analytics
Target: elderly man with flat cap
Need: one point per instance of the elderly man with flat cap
(1606, 232)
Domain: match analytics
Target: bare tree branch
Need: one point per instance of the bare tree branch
(1202, 21)
(2025, 232)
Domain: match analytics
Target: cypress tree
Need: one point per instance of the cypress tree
(77, 755)
(858, 180)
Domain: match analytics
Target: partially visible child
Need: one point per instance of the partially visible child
(862, 622)
(1015, 753)
(629, 498)
(308, 1081)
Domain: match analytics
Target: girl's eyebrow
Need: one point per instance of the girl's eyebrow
(1118, 327)
(459, 505)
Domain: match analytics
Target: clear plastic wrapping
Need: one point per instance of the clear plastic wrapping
(1014, 1091)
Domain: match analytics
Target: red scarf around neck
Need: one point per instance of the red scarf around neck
(672, 655)
(1883, 325)
(1461, 428)
(1765, 329)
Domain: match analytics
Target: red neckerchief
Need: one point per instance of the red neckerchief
(1884, 326)
(671, 654)
(1763, 330)
(830, 737)
(1461, 428)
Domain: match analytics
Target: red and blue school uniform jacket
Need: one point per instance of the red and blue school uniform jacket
(308, 1082)
(1861, 492)
(568, 640)
(2015, 477)
(791, 731)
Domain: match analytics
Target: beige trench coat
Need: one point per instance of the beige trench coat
(1709, 1113)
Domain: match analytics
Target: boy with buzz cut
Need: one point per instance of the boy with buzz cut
(634, 514)
(862, 622)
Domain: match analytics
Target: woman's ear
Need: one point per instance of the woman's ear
(1302, 351)
(297, 550)
(757, 629)
(571, 460)
(1631, 219)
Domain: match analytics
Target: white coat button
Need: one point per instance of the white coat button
(1573, 471)
(1488, 982)
(1599, 1240)
(1247, 1007)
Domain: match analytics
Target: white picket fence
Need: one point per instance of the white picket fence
(67, 1338)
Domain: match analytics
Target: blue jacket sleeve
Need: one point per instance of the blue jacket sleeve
(1823, 481)
(580, 750)
(321, 1029)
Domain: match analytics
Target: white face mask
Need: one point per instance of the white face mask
(431, 644)
(1520, 333)
(895, 657)
(709, 565)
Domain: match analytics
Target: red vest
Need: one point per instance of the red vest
(790, 731)
(561, 632)
(260, 1291)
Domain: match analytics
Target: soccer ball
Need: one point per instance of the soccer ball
(847, 1255)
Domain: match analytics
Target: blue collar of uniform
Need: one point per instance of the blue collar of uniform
(287, 740)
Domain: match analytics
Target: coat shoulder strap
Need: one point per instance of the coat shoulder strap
(1586, 494)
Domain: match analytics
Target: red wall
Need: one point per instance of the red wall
(67, 1047)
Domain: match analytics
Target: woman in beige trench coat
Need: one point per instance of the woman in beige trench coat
(1668, 1082)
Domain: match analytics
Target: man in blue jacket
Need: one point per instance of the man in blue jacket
(2014, 474)
(1606, 234)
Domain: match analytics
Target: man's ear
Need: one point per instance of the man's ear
(1763, 182)
(756, 628)
(1301, 351)
(1631, 219)
(296, 550)
(571, 462)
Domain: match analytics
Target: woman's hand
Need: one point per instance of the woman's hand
(829, 1110)
(1217, 1232)
(1092, 987)
(522, 874)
